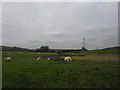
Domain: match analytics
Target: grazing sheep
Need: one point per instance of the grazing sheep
(38, 58)
(67, 59)
(48, 58)
(7, 59)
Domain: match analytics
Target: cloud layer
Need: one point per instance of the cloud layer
(60, 25)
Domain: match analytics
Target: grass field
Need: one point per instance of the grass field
(0, 70)
(90, 71)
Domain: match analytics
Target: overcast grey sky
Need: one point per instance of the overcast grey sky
(60, 25)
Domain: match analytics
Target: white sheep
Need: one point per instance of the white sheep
(67, 59)
(48, 58)
(38, 58)
(7, 59)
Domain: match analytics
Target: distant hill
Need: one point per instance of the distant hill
(8, 48)
(115, 47)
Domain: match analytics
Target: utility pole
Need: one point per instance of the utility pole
(83, 47)
(83, 42)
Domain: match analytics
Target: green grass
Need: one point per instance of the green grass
(24, 71)
(0, 70)
(98, 57)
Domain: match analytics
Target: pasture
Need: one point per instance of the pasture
(90, 71)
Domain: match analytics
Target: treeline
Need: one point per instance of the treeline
(41, 49)
(56, 50)
(46, 49)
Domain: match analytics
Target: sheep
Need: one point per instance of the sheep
(67, 59)
(7, 59)
(38, 58)
(48, 59)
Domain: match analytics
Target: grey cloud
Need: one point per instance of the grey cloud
(60, 25)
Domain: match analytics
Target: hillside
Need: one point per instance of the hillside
(115, 49)
(8, 48)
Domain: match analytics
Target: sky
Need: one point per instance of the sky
(60, 25)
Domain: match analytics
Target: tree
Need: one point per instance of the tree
(44, 48)
(83, 48)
